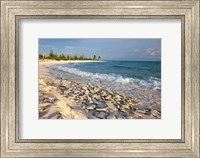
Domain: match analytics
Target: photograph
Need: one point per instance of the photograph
(99, 78)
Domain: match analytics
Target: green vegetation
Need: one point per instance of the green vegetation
(54, 56)
(94, 57)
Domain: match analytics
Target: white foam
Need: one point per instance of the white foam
(153, 82)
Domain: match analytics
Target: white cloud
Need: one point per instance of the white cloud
(152, 51)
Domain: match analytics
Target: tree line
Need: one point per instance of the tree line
(54, 56)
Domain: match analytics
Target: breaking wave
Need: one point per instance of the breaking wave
(153, 82)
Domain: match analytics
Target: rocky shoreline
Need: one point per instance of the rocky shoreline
(64, 99)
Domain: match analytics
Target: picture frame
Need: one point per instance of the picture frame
(13, 11)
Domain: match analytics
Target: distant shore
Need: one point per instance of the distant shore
(60, 98)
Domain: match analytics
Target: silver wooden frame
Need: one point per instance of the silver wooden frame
(13, 11)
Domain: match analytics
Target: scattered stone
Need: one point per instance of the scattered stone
(101, 115)
(83, 107)
(108, 97)
(48, 89)
(101, 107)
(117, 97)
(111, 116)
(84, 88)
(137, 114)
(155, 113)
(120, 116)
(95, 102)
(103, 94)
(96, 97)
(140, 111)
(62, 88)
(92, 117)
(60, 117)
(118, 106)
(90, 106)
(122, 109)
(127, 106)
(96, 89)
(86, 92)
(148, 112)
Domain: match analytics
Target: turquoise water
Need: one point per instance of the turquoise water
(138, 73)
(132, 78)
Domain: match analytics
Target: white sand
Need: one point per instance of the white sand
(61, 109)
(44, 64)
(43, 69)
(52, 62)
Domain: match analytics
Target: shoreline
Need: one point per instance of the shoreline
(44, 65)
(66, 99)
(52, 62)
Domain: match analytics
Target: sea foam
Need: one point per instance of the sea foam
(113, 79)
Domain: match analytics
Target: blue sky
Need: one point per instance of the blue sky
(129, 49)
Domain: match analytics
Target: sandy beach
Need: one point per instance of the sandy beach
(61, 98)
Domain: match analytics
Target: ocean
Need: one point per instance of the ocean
(132, 78)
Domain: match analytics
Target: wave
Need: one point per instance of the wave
(153, 82)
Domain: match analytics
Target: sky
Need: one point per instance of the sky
(124, 49)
